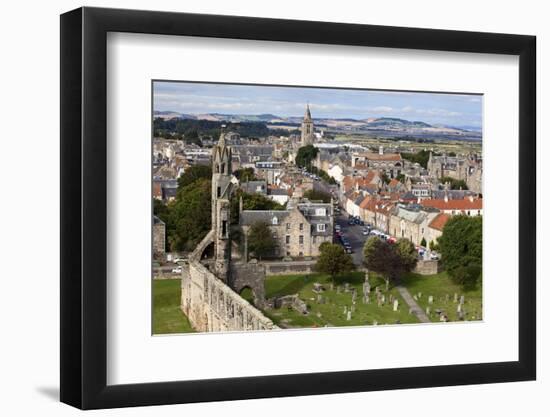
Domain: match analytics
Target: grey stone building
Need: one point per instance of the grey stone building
(299, 230)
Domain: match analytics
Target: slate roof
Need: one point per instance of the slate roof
(249, 217)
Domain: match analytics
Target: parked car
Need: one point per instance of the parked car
(177, 270)
(434, 256)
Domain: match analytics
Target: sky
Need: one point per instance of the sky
(459, 110)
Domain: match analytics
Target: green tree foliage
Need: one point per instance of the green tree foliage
(245, 174)
(406, 255)
(161, 210)
(192, 136)
(305, 155)
(190, 215)
(261, 241)
(318, 195)
(193, 174)
(333, 260)
(461, 247)
(322, 174)
(423, 242)
(172, 127)
(455, 184)
(390, 261)
(421, 157)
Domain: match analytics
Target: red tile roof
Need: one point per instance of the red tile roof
(466, 204)
(439, 221)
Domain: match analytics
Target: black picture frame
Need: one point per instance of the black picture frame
(84, 207)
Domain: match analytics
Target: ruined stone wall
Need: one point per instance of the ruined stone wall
(427, 267)
(289, 268)
(212, 306)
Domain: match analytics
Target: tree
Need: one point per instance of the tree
(245, 174)
(261, 240)
(390, 261)
(455, 184)
(190, 215)
(423, 242)
(407, 257)
(461, 248)
(420, 157)
(318, 195)
(194, 173)
(333, 260)
(306, 154)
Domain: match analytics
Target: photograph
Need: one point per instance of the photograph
(302, 207)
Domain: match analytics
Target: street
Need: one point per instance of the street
(354, 234)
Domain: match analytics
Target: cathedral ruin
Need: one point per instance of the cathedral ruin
(211, 285)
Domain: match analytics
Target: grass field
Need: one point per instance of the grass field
(167, 316)
(443, 289)
(331, 313)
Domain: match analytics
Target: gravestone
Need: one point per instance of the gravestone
(319, 299)
(459, 308)
(395, 305)
(462, 299)
(428, 311)
(431, 299)
(455, 298)
(447, 298)
(317, 287)
(346, 286)
(349, 316)
(415, 297)
(419, 295)
(338, 289)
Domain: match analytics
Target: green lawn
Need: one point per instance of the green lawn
(443, 289)
(167, 316)
(331, 313)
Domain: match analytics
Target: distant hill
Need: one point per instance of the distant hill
(383, 126)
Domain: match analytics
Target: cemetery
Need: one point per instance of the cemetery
(447, 299)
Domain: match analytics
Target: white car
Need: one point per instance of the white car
(177, 270)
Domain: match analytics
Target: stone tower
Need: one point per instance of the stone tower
(221, 189)
(307, 128)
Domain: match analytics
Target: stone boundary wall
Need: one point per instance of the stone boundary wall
(427, 267)
(288, 267)
(212, 306)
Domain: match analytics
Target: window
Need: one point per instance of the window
(219, 191)
(301, 239)
(224, 228)
(288, 226)
(301, 227)
(320, 212)
(301, 254)
(321, 227)
(275, 220)
(287, 239)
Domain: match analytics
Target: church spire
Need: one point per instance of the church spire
(221, 141)
(308, 113)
